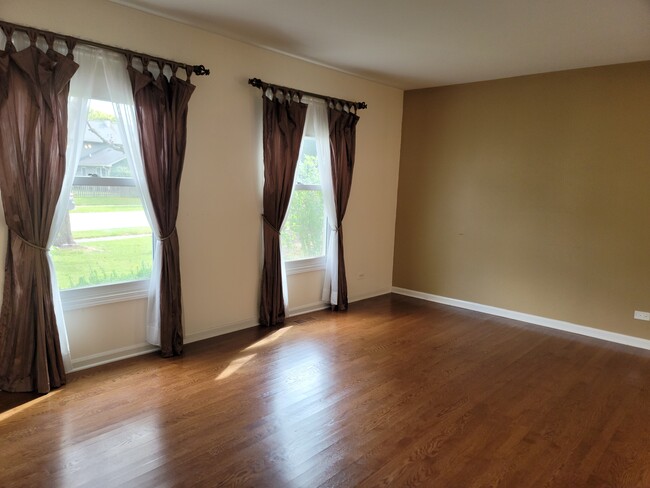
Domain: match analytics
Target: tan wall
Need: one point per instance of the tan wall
(531, 194)
(219, 222)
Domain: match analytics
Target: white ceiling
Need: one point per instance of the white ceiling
(423, 43)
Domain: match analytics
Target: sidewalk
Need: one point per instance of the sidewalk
(107, 220)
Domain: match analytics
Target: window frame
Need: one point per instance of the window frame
(94, 295)
(316, 263)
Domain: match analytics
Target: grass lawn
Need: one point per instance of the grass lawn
(103, 262)
(109, 201)
(124, 231)
(106, 204)
(105, 208)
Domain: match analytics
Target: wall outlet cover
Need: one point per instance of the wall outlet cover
(641, 315)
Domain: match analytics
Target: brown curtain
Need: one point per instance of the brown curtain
(161, 109)
(33, 134)
(342, 145)
(283, 125)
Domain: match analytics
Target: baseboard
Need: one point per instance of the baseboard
(531, 319)
(106, 357)
(358, 298)
(316, 306)
(140, 349)
(311, 307)
(221, 330)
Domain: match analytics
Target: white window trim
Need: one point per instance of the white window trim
(307, 265)
(302, 186)
(92, 296)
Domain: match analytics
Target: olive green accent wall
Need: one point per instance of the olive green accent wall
(531, 194)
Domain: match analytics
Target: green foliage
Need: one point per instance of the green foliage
(94, 114)
(303, 229)
(101, 277)
(307, 171)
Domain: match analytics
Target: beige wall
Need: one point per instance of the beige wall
(219, 222)
(531, 194)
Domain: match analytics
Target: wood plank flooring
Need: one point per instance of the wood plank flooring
(395, 392)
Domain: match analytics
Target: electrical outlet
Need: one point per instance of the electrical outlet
(642, 315)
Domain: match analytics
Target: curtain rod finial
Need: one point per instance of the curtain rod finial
(362, 105)
(200, 70)
(256, 82)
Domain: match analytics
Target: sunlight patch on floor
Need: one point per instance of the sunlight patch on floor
(270, 338)
(20, 408)
(234, 366)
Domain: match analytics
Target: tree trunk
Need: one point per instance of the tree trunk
(64, 236)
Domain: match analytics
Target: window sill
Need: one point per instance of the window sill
(305, 265)
(93, 296)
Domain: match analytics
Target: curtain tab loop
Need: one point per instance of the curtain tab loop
(49, 38)
(9, 35)
(51, 53)
(33, 36)
(71, 44)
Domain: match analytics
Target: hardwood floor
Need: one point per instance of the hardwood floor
(395, 392)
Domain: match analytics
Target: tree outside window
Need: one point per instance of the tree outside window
(303, 231)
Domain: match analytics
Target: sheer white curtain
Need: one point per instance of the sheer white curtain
(317, 119)
(81, 87)
(121, 94)
(102, 75)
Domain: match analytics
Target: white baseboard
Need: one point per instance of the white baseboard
(531, 319)
(316, 306)
(106, 357)
(245, 324)
(140, 349)
(365, 296)
(113, 355)
(303, 309)
(221, 330)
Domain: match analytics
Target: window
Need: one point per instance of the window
(303, 231)
(105, 239)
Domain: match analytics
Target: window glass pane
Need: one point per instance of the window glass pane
(307, 170)
(106, 237)
(303, 231)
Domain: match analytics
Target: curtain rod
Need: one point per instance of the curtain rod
(198, 70)
(257, 83)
